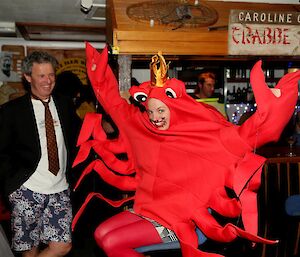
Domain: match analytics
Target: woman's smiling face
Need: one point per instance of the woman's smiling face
(159, 114)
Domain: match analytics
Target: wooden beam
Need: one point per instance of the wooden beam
(132, 37)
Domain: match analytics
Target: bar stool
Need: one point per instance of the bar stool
(292, 208)
(169, 246)
(280, 180)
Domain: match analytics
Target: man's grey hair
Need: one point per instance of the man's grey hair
(37, 57)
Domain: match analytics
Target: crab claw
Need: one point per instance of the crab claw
(284, 95)
(96, 63)
(274, 107)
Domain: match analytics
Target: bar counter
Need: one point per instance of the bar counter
(280, 179)
(280, 153)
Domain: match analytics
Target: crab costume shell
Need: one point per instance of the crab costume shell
(180, 173)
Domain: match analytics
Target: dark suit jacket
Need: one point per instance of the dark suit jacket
(20, 149)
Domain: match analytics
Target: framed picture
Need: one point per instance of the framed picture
(7, 73)
(11, 86)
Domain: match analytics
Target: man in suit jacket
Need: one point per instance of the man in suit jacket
(40, 200)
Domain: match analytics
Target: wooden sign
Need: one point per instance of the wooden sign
(263, 33)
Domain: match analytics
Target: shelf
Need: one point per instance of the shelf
(246, 80)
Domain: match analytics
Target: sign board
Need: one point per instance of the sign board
(263, 33)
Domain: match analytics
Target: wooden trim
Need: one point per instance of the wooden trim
(52, 32)
(133, 37)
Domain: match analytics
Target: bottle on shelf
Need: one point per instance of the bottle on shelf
(238, 97)
(250, 95)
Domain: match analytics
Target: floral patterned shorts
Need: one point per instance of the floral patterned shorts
(39, 218)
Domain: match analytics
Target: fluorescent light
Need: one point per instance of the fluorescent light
(7, 27)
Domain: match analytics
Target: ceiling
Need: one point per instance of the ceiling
(53, 20)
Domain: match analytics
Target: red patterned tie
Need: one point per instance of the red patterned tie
(53, 160)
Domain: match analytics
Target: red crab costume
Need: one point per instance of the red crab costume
(179, 173)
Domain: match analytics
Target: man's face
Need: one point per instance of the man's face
(159, 114)
(42, 80)
(208, 87)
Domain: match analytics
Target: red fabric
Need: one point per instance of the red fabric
(119, 235)
(181, 172)
(4, 212)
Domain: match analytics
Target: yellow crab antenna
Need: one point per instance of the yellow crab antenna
(159, 70)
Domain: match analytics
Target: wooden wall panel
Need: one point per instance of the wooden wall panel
(169, 47)
(192, 36)
(59, 54)
(132, 37)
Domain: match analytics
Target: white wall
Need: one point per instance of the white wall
(141, 75)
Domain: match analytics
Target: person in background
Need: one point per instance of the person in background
(205, 90)
(37, 187)
(69, 84)
(206, 85)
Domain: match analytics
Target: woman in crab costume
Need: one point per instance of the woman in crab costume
(182, 155)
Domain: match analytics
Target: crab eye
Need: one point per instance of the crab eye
(170, 93)
(140, 96)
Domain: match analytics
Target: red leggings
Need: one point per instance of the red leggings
(120, 234)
